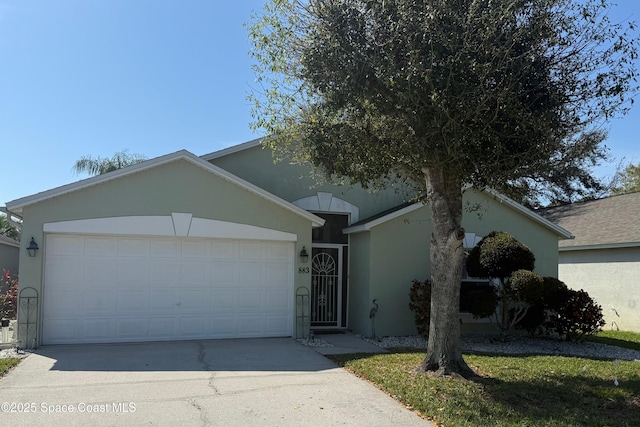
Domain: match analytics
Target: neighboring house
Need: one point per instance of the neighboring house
(187, 247)
(9, 257)
(604, 257)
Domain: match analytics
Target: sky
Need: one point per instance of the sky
(94, 77)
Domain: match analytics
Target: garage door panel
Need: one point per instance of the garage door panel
(62, 272)
(196, 249)
(163, 299)
(127, 289)
(132, 301)
(66, 302)
(97, 302)
(250, 274)
(224, 250)
(222, 326)
(195, 300)
(251, 250)
(277, 275)
(99, 273)
(275, 323)
(194, 326)
(224, 273)
(100, 246)
(65, 246)
(134, 247)
(134, 274)
(63, 330)
(163, 327)
(164, 248)
(164, 274)
(223, 300)
(97, 329)
(277, 300)
(196, 274)
(278, 251)
(251, 326)
(250, 300)
(132, 328)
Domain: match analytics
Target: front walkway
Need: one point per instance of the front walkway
(346, 343)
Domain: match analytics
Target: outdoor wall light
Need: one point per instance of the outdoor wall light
(32, 248)
(304, 256)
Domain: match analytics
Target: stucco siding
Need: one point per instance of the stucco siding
(359, 278)
(484, 214)
(612, 279)
(293, 181)
(399, 254)
(9, 256)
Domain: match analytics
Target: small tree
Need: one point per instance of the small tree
(101, 165)
(502, 257)
(629, 180)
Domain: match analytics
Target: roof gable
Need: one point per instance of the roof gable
(610, 222)
(16, 206)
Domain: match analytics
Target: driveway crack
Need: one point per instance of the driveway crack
(213, 385)
(203, 413)
(202, 358)
(202, 354)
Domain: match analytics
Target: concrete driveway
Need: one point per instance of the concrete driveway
(258, 382)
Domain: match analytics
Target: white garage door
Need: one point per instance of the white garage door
(119, 289)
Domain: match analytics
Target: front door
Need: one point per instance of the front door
(326, 286)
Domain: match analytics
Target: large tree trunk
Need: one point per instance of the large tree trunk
(444, 354)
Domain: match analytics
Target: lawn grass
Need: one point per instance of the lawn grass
(617, 338)
(512, 390)
(7, 364)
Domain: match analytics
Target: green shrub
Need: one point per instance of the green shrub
(480, 301)
(578, 316)
(554, 293)
(498, 255)
(420, 304)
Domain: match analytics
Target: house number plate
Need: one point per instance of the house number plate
(303, 270)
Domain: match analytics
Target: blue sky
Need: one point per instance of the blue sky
(94, 77)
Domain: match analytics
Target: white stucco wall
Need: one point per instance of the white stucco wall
(612, 279)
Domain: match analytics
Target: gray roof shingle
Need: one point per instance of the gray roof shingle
(614, 220)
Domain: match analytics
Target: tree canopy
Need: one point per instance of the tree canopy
(101, 165)
(628, 180)
(509, 94)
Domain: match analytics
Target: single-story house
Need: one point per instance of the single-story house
(233, 244)
(604, 257)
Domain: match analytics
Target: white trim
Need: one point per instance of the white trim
(174, 225)
(232, 149)
(373, 223)
(599, 246)
(19, 204)
(327, 202)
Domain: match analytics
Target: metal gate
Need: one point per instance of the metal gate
(326, 286)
